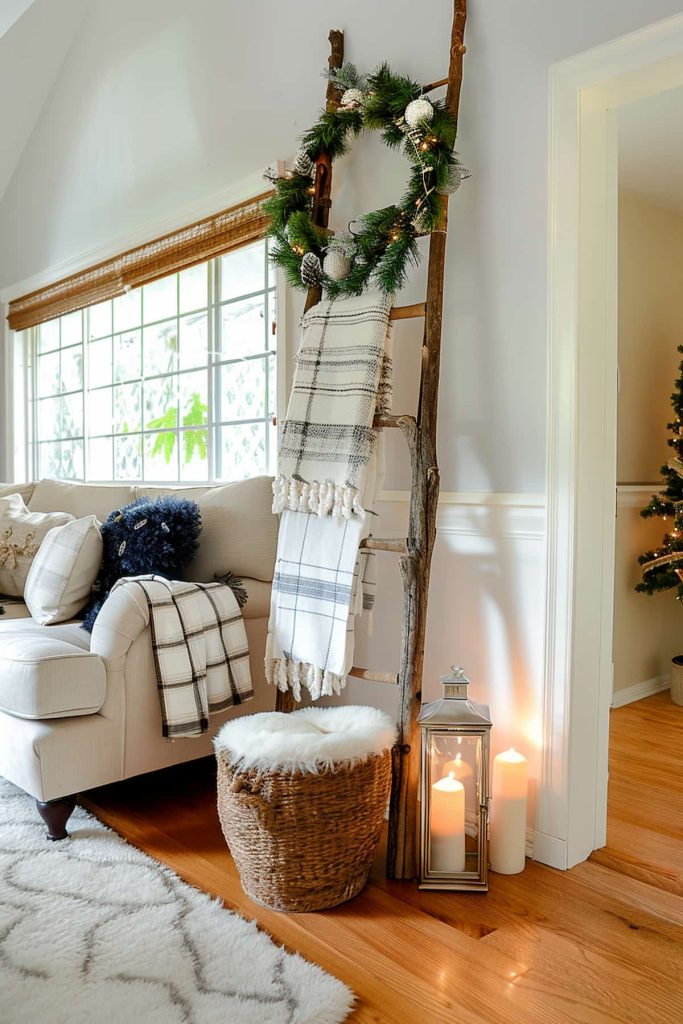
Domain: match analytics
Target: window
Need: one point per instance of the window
(171, 382)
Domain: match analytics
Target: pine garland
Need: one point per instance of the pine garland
(384, 241)
(661, 566)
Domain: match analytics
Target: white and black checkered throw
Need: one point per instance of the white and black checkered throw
(201, 653)
(342, 378)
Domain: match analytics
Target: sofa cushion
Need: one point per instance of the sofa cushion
(258, 599)
(21, 534)
(25, 490)
(239, 531)
(80, 499)
(61, 578)
(48, 671)
(13, 609)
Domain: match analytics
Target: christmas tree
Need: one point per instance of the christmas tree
(663, 568)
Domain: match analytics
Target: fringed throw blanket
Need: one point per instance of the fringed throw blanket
(200, 647)
(332, 462)
(342, 378)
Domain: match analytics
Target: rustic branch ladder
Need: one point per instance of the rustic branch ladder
(420, 434)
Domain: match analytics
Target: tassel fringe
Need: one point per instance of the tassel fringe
(321, 499)
(292, 675)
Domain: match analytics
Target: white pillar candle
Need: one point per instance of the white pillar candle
(447, 825)
(508, 813)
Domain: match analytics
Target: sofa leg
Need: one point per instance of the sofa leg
(55, 814)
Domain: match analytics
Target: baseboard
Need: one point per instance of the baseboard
(647, 688)
(549, 850)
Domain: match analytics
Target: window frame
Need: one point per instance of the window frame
(23, 353)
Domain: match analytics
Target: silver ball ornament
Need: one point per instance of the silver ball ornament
(418, 111)
(456, 176)
(351, 98)
(336, 265)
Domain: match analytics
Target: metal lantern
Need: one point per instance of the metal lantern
(454, 789)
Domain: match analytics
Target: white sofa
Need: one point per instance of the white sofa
(79, 710)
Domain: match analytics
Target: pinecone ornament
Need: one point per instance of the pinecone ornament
(419, 110)
(351, 99)
(311, 269)
(303, 164)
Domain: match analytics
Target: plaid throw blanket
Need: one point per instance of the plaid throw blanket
(342, 378)
(200, 650)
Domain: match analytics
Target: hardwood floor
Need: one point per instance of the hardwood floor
(600, 943)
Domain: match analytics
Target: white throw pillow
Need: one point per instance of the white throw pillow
(21, 534)
(61, 577)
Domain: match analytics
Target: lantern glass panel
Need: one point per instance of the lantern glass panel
(455, 779)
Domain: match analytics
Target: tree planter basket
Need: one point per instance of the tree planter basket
(303, 839)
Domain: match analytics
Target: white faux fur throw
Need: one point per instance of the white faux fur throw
(306, 740)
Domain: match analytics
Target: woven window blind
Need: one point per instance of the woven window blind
(175, 251)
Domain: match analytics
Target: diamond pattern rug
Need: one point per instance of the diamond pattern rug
(91, 929)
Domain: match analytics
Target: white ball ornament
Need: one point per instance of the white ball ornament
(419, 110)
(352, 98)
(336, 265)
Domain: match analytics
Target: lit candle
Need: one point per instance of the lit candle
(508, 812)
(447, 825)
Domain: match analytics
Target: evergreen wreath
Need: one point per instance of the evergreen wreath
(380, 250)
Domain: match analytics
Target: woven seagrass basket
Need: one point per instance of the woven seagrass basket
(304, 841)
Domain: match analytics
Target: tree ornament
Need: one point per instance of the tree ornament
(351, 99)
(419, 111)
(311, 269)
(303, 164)
(456, 176)
(336, 265)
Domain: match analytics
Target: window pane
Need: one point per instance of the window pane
(48, 374)
(243, 451)
(243, 271)
(71, 423)
(49, 418)
(99, 362)
(128, 458)
(127, 356)
(243, 328)
(161, 403)
(48, 336)
(193, 341)
(99, 320)
(161, 456)
(243, 390)
(72, 329)
(72, 369)
(193, 288)
(160, 299)
(127, 408)
(48, 459)
(194, 461)
(72, 467)
(161, 348)
(100, 461)
(194, 398)
(127, 310)
(100, 412)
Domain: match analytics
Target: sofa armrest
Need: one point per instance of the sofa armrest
(122, 618)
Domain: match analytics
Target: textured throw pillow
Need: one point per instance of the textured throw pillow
(61, 578)
(21, 534)
(145, 537)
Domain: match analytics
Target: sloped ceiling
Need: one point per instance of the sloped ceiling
(35, 36)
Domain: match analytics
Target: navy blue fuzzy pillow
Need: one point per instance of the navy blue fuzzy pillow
(146, 536)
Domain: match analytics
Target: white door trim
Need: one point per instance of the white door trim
(585, 92)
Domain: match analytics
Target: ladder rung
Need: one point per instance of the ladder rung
(434, 85)
(376, 677)
(408, 312)
(399, 544)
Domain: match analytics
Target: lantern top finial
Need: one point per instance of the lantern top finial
(455, 684)
(454, 706)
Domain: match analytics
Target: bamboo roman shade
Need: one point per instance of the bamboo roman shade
(195, 243)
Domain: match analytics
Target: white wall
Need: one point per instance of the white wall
(648, 631)
(161, 103)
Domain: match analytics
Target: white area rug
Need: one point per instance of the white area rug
(93, 930)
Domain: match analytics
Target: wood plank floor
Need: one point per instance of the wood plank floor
(600, 943)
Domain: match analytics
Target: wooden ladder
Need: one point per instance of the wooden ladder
(420, 433)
